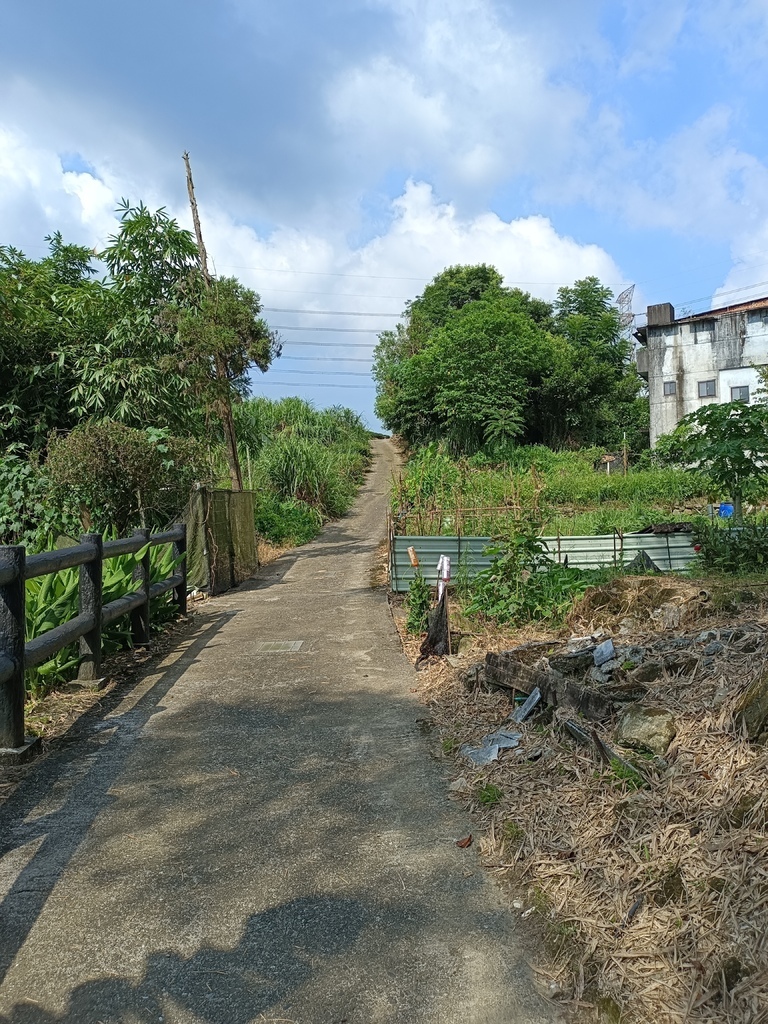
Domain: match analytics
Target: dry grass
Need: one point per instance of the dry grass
(657, 898)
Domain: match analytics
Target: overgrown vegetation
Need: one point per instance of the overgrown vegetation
(523, 584)
(304, 465)
(122, 392)
(482, 367)
(561, 490)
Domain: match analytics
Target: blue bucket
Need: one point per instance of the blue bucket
(725, 511)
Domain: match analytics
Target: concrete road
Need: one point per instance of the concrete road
(257, 832)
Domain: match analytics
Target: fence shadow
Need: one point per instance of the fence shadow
(95, 761)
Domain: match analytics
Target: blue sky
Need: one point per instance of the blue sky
(345, 152)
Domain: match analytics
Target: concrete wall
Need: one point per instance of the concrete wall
(723, 347)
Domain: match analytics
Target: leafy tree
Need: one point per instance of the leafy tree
(128, 374)
(483, 366)
(728, 442)
(40, 329)
(219, 335)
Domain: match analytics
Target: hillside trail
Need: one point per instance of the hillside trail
(257, 831)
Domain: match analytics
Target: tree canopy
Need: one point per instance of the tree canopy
(138, 346)
(481, 366)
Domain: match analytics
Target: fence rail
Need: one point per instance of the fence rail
(16, 655)
(670, 552)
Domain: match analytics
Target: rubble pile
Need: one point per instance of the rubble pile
(634, 808)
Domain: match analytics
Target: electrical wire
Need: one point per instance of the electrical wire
(325, 273)
(306, 384)
(333, 330)
(330, 373)
(326, 312)
(331, 359)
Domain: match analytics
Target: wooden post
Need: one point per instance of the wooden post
(224, 404)
(140, 615)
(180, 592)
(89, 602)
(12, 622)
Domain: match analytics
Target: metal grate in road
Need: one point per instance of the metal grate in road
(279, 646)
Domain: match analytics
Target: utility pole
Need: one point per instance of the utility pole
(223, 401)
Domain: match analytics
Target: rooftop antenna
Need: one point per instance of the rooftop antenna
(624, 305)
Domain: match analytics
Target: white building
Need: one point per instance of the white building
(708, 357)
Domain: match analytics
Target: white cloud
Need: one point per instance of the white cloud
(466, 96)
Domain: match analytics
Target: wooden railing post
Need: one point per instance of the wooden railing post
(12, 624)
(140, 615)
(179, 550)
(89, 601)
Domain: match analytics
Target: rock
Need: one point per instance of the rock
(604, 653)
(668, 616)
(706, 636)
(715, 647)
(752, 709)
(625, 691)
(575, 663)
(643, 728)
(632, 652)
(648, 672)
(598, 676)
(681, 664)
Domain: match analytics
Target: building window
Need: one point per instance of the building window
(707, 389)
(740, 394)
(670, 387)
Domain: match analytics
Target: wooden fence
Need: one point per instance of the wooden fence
(16, 655)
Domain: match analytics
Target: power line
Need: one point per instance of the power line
(333, 330)
(306, 384)
(335, 344)
(325, 273)
(326, 312)
(332, 359)
(338, 295)
(331, 373)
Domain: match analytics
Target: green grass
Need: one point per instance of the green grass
(304, 464)
(561, 491)
(489, 794)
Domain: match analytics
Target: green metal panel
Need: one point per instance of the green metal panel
(669, 551)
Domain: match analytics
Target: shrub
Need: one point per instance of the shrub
(123, 477)
(733, 550)
(418, 603)
(27, 514)
(523, 585)
(282, 521)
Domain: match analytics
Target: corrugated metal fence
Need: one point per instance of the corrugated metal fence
(669, 551)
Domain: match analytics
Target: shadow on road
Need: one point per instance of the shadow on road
(277, 953)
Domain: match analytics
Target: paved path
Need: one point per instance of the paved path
(251, 836)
